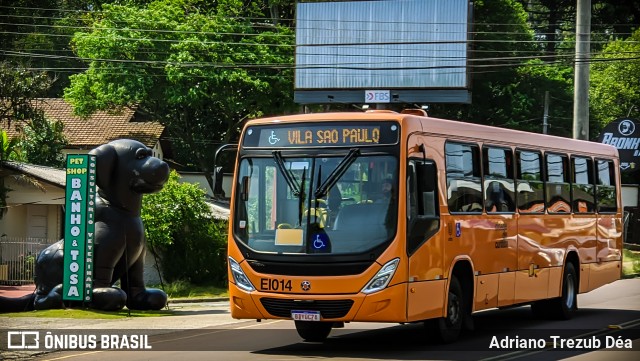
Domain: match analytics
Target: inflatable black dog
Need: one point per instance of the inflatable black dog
(125, 171)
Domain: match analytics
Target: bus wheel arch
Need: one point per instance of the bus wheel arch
(458, 307)
(565, 306)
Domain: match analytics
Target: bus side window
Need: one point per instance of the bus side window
(464, 184)
(422, 203)
(582, 185)
(605, 187)
(498, 180)
(529, 184)
(558, 189)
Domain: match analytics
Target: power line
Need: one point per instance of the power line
(83, 11)
(401, 31)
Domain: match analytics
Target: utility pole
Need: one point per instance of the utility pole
(545, 118)
(581, 74)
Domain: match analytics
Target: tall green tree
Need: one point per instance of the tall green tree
(18, 89)
(615, 75)
(199, 71)
(508, 80)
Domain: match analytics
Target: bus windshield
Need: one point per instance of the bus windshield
(340, 204)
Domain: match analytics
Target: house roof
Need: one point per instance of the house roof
(99, 128)
(55, 176)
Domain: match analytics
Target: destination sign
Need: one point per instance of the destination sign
(328, 134)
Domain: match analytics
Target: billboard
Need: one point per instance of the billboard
(624, 134)
(379, 46)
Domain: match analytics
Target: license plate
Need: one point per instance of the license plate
(305, 315)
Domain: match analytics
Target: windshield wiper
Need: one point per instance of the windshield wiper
(288, 177)
(340, 169)
(296, 189)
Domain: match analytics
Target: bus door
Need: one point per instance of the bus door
(482, 223)
(495, 255)
(426, 289)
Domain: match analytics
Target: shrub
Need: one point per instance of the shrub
(179, 226)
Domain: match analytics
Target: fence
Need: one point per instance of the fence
(18, 258)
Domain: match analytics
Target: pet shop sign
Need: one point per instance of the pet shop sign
(79, 227)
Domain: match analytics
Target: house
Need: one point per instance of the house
(35, 203)
(84, 134)
(33, 218)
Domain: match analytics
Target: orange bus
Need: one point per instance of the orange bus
(400, 217)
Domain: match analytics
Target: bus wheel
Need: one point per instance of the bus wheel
(565, 306)
(447, 329)
(313, 331)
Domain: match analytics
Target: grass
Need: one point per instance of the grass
(175, 290)
(86, 314)
(631, 262)
(183, 289)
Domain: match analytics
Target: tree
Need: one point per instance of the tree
(615, 75)
(43, 141)
(18, 89)
(508, 83)
(9, 150)
(200, 72)
(178, 224)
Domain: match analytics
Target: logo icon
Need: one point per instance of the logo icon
(626, 127)
(23, 340)
(273, 139)
(305, 285)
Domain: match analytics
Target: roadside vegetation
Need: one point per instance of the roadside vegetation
(184, 290)
(631, 263)
(87, 314)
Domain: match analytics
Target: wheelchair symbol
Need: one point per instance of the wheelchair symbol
(273, 139)
(318, 243)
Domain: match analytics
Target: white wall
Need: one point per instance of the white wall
(199, 179)
(629, 195)
(15, 221)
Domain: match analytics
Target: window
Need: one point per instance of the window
(498, 180)
(558, 190)
(582, 188)
(464, 188)
(422, 203)
(530, 187)
(605, 187)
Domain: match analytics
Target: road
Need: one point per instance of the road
(608, 314)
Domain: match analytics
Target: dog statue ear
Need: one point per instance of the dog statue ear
(106, 158)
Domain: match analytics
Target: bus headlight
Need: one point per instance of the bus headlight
(382, 278)
(239, 277)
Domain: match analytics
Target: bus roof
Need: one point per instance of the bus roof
(455, 129)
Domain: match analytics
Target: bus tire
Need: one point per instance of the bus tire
(313, 331)
(447, 329)
(565, 306)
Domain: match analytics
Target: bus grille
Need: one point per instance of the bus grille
(327, 308)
